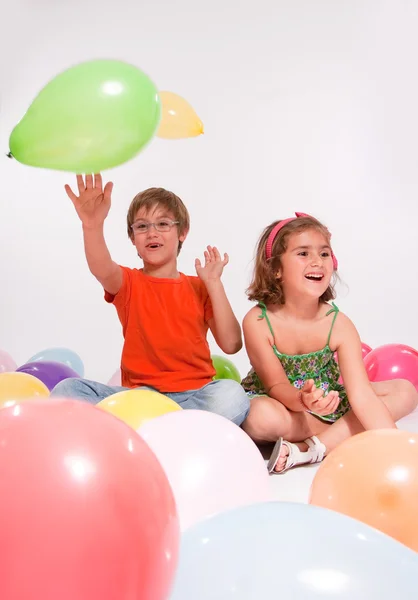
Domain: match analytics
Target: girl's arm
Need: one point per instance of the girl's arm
(367, 406)
(258, 343)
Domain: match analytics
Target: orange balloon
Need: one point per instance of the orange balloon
(178, 118)
(15, 387)
(373, 477)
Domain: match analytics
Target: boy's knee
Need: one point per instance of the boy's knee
(232, 401)
(68, 388)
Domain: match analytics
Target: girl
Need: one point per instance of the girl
(291, 337)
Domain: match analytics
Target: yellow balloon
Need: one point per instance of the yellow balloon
(135, 407)
(15, 387)
(178, 119)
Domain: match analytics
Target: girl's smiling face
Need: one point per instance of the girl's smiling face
(306, 265)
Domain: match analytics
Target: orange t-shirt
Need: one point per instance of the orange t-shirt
(165, 324)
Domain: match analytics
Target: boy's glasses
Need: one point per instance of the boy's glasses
(163, 225)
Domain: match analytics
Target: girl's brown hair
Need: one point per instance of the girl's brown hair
(265, 286)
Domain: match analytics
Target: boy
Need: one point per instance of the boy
(165, 315)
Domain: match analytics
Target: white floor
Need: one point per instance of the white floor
(294, 485)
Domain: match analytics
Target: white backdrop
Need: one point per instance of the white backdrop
(308, 105)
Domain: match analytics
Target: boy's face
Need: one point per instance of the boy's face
(156, 245)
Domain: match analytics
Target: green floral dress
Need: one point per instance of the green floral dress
(320, 366)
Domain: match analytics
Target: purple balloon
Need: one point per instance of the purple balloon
(48, 371)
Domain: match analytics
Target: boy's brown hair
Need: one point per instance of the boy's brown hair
(265, 285)
(152, 197)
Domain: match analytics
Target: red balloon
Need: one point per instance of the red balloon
(86, 511)
(392, 361)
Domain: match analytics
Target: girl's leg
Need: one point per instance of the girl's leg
(399, 395)
(269, 420)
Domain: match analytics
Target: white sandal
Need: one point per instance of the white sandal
(314, 454)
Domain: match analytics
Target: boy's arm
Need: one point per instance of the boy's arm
(92, 206)
(223, 325)
(100, 263)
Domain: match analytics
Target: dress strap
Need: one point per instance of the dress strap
(265, 316)
(334, 310)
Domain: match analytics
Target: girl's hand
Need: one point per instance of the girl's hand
(314, 400)
(214, 265)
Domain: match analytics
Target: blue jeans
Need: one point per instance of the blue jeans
(224, 397)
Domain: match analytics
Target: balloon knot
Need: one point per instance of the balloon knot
(9, 155)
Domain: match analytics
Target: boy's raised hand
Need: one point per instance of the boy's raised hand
(214, 265)
(93, 203)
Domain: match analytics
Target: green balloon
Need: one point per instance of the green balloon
(91, 117)
(225, 369)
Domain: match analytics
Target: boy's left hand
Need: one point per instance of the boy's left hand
(214, 265)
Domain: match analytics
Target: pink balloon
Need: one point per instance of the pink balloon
(86, 511)
(211, 464)
(365, 349)
(115, 379)
(392, 361)
(7, 364)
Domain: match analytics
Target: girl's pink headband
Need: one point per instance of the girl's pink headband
(276, 229)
